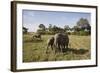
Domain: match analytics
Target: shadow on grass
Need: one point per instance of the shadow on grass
(75, 51)
(72, 50)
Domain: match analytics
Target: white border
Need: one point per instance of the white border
(21, 65)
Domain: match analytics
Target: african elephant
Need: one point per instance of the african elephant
(61, 41)
(50, 43)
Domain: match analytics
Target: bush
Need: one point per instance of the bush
(82, 33)
(75, 33)
(41, 32)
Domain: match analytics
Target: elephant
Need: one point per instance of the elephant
(61, 41)
(50, 43)
(37, 36)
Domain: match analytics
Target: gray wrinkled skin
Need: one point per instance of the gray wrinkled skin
(50, 43)
(61, 41)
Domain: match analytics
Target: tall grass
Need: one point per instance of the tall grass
(34, 49)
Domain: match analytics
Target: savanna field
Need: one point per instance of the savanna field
(34, 50)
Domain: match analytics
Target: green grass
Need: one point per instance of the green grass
(34, 49)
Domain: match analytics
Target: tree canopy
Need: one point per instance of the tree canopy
(42, 27)
(83, 24)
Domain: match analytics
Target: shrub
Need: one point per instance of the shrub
(75, 33)
(41, 32)
(82, 33)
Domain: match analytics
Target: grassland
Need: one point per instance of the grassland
(34, 49)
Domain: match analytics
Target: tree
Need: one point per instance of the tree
(83, 24)
(75, 28)
(50, 27)
(25, 30)
(54, 28)
(42, 27)
(66, 27)
(57, 29)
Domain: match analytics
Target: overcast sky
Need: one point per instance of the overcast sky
(32, 18)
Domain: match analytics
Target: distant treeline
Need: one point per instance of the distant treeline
(82, 27)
